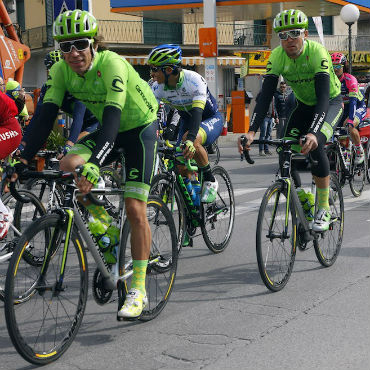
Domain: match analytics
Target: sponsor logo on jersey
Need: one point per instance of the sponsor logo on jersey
(132, 175)
(146, 101)
(117, 84)
(8, 135)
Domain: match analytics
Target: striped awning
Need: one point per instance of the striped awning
(190, 61)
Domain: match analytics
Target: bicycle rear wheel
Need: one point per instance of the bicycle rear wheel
(276, 237)
(336, 165)
(24, 213)
(328, 245)
(169, 192)
(358, 176)
(44, 311)
(162, 263)
(218, 216)
(213, 153)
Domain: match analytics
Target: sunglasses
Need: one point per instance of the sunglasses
(293, 34)
(79, 45)
(337, 66)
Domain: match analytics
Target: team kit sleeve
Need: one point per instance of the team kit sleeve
(199, 93)
(53, 98)
(321, 63)
(116, 77)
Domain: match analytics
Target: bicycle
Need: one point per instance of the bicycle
(51, 298)
(213, 152)
(342, 162)
(24, 212)
(364, 131)
(282, 225)
(215, 219)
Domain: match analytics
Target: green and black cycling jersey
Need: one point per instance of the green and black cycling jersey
(111, 89)
(311, 77)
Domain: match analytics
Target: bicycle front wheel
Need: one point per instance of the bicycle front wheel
(328, 245)
(276, 237)
(336, 164)
(44, 305)
(213, 153)
(169, 192)
(24, 213)
(162, 262)
(218, 216)
(358, 176)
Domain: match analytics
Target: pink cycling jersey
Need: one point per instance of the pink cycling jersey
(352, 97)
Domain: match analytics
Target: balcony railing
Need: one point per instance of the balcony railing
(155, 32)
(340, 42)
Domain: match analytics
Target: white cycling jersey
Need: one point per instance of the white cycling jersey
(191, 92)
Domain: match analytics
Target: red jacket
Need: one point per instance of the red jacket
(8, 109)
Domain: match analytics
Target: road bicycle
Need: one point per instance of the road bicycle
(24, 212)
(282, 225)
(213, 152)
(216, 219)
(364, 131)
(342, 162)
(45, 304)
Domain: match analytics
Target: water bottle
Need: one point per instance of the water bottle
(189, 188)
(307, 200)
(99, 231)
(347, 157)
(196, 188)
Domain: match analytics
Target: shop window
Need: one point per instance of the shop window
(21, 20)
(327, 25)
(157, 32)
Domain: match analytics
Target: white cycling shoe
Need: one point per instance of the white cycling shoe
(134, 304)
(209, 191)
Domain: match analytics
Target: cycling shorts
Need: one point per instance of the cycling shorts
(10, 136)
(359, 115)
(210, 129)
(299, 123)
(139, 145)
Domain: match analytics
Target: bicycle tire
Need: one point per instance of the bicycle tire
(213, 214)
(367, 159)
(276, 256)
(214, 154)
(162, 186)
(162, 263)
(23, 214)
(328, 246)
(39, 299)
(358, 176)
(336, 165)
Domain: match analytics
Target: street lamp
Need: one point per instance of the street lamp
(349, 15)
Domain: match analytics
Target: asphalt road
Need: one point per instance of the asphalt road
(221, 316)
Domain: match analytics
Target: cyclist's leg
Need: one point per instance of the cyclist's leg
(320, 168)
(355, 135)
(210, 129)
(262, 135)
(140, 151)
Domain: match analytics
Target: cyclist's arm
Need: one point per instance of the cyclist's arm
(322, 90)
(79, 110)
(41, 130)
(116, 82)
(264, 100)
(195, 121)
(55, 90)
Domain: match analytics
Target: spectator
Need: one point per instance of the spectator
(266, 128)
(280, 98)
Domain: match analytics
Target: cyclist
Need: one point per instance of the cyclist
(10, 137)
(354, 103)
(126, 109)
(13, 90)
(83, 122)
(306, 66)
(201, 123)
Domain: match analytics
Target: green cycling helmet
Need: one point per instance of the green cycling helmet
(289, 19)
(74, 24)
(166, 54)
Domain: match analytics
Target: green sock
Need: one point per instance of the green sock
(323, 198)
(138, 277)
(99, 213)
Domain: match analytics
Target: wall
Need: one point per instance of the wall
(34, 71)
(101, 10)
(34, 11)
